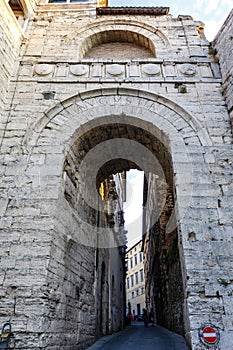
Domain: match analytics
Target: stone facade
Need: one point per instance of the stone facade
(135, 281)
(164, 285)
(223, 46)
(58, 103)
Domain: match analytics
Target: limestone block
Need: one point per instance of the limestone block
(27, 307)
(227, 323)
(225, 263)
(169, 70)
(3, 205)
(36, 323)
(226, 338)
(217, 289)
(203, 306)
(22, 280)
(227, 189)
(7, 307)
(62, 70)
(36, 46)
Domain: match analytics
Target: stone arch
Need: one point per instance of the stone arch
(163, 114)
(146, 35)
(69, 120)
(174, 127)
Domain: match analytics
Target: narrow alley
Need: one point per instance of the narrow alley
(138, 337)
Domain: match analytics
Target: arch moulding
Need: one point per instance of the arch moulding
(155, 113)
(153, 34)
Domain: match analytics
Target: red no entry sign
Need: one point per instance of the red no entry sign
(209, 335)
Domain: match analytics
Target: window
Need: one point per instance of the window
(132, 281)
(137, 292)
(132, 295)
(20, 11)
(128, 282)
(142, 290)
(65, 1)
(141, 275)
(140, 257)
(136, 277)
(135, 249)
(135, 259)
(131, 263)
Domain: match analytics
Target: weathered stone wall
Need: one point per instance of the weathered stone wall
(10, 41)
(164, 284)
(223, 44)
(55, 95)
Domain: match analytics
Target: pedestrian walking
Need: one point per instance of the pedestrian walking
(151, 317)
(145, 317)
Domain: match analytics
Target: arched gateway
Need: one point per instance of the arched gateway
(87, 93)
(146, 124)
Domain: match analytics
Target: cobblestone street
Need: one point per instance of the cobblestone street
(138, 337)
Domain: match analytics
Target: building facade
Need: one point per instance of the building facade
(135, 281)
(87, 92)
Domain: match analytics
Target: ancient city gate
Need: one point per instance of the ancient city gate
(157, 101)
(50, 142)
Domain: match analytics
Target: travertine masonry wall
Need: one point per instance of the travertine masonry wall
(223, 44)
(55, 95)
(10, 41)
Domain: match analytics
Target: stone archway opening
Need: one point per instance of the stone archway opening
(92, 161)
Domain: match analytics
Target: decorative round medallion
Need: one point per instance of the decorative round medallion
(78, 69)
(43, 69)
(151, 69)
(115, 69)
(188, 69)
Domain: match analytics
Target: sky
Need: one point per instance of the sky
(212, 12)
(133, 206)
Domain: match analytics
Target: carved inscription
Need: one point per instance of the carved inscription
(80, 106)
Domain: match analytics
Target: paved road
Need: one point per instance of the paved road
(137, 337)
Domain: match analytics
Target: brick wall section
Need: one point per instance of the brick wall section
(119, 50)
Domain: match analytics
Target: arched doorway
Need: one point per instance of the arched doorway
(119, 129)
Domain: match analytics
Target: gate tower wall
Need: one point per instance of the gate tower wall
(55, 93)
